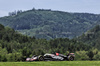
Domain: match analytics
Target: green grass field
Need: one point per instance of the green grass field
(52, 63)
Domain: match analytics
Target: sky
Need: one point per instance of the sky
(81, 6)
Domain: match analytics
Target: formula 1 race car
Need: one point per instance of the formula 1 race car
(52, 57)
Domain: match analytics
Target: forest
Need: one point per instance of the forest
(17, 47)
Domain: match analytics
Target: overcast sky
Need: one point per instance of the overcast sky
(89, 6)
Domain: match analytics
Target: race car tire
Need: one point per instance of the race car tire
(70, 58)
(41, 58)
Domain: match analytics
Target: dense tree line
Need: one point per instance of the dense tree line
(17, 47)
(92, 38)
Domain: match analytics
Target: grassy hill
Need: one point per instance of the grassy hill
(51, 24)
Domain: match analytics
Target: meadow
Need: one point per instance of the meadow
(52, 63)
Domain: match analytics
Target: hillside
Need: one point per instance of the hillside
(92, 37)
(51, 24)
